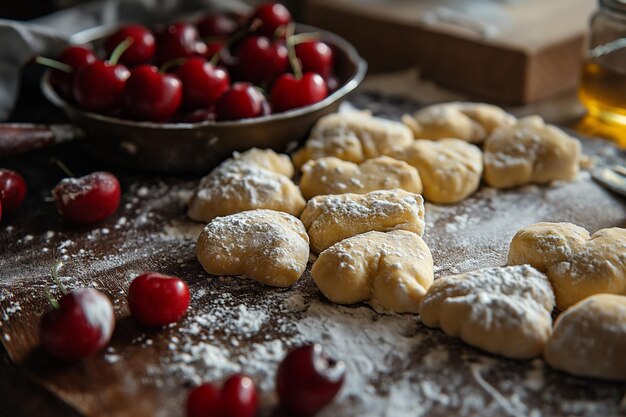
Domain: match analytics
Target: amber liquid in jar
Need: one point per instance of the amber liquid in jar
(603, 92)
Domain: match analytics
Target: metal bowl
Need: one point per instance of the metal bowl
(198, 147)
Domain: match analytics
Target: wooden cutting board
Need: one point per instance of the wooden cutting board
(510, 52)
(397, 367)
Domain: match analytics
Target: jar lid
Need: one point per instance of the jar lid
(614, 5)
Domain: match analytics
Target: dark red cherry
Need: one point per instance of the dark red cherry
(203, 83)
(81, 325)
(236, 398)
(272, 16)
(216, 25)
(288, 92)
(152, 95)
(89, 199)
(156, 299)
(140, 51)
(12, 189)
(241, 101)
(213, 48)
(261, 60)
(99, 86)
(308, 379)
(315, 56)
(75, 57)
(179, 40)
(198, 116)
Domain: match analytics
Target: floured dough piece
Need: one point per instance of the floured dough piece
(252, 180)
(589, 339)
(576, 264)
(503, 310)
(471, 122)
(450, 169)
(392, 270)
(530, 152)
(266, 245)
(331, 175)
(352, 136)
(329, 219)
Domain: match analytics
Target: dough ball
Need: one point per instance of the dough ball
(352, 136)
(503, 310)
(576, 264)
(248, 181)
(530, 152)
(450, 169)
(392, 270)
(471, 122)
(589, 339)
(331, 175)
(329, 219)
(267, 246)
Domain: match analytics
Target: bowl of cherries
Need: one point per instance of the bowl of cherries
(182, 96)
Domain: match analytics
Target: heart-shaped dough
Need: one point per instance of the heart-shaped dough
(503, 310)
(576, 264)
(267, 246)
(450, 169)
(251, 180)
(352, 136)
(530, 152)
(392, 270)
(589, 339)
(331, 175)
(471, 122)
(329, 219)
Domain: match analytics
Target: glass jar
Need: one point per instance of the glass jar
(603, 83)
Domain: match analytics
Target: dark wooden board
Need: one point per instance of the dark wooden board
(398, 367)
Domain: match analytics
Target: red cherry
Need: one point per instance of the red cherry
(156, 299)
(82, 325)
(290, 93)
(216, 25)
(140, 51)
(237, 398)
(89, 199)
(198, 116)
(241, 101)
(12, 189)
(178, 40)
(203, 83)
(152, 95)
(75, 57)
(315, 56)
(260, 60)
(272, 16)
(99, 86)
(307, 380)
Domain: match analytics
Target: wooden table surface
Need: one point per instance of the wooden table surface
(145, 372)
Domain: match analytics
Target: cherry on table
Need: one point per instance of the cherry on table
(140, 51)
(242, 100)
(75, 57)
(236, 398)
(261, 60)
(288, 92)
(216, 25)
(179, 40)
(203, 83)
(151, 94)
(315, 56)
(156, 299)
(12, 189)
(272, 16)
(308, 379)
(89, 199)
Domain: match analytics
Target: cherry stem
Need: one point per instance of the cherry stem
(236, 37)
(63, 167)
(173, 63)
(53, 302)
(51, 63)
(291, 52)
(119, 50)
(306, 37)
(55, 276)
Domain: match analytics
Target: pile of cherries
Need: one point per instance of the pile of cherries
(223, 67)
